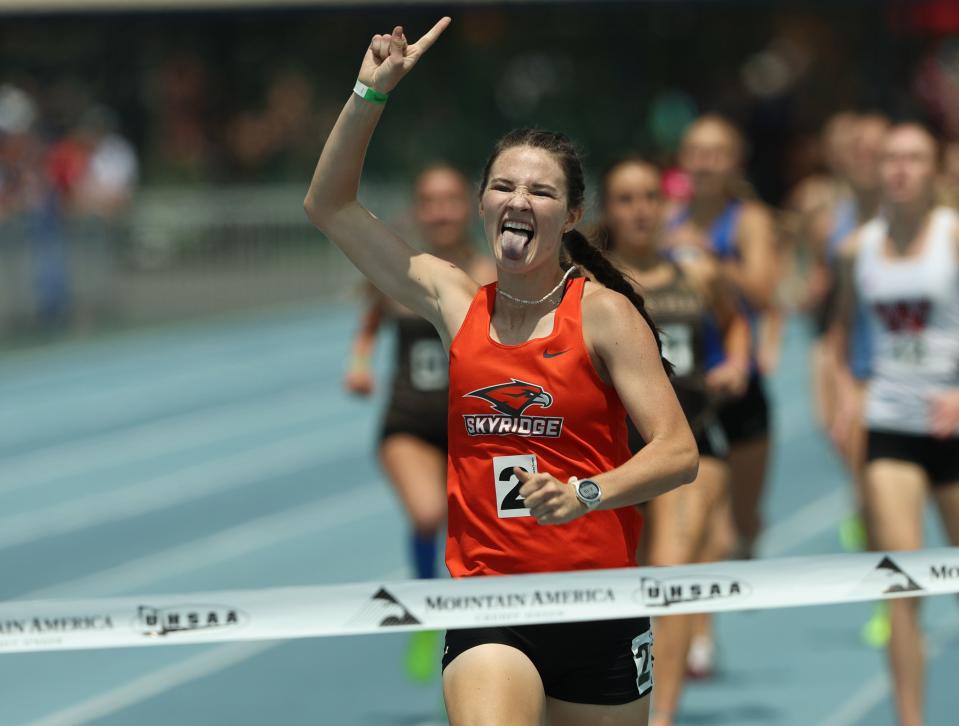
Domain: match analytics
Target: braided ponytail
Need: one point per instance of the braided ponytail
(584, 253)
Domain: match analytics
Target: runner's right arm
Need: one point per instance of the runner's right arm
(359, 375)
(430, 287)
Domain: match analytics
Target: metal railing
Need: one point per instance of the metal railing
(179, 253)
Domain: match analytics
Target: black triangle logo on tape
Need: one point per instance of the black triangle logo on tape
(899, 580)
(406, 618)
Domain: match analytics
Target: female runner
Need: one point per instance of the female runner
(739, 233)
(413, 436)
(855, 201)
(689, 301)
(904, 267)
(543, 370)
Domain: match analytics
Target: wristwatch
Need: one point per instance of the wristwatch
(589, 493)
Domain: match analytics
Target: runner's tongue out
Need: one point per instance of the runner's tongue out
(513, 243)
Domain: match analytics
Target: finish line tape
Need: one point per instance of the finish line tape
(304, 612)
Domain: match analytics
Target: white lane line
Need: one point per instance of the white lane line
(155, 683)
(165, 679)
(229, 471)
(116, 404)
(68, 364)
(875, 690)
(816, 517)
(357, 504)
(86, 455)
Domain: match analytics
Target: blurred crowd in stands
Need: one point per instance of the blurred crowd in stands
(245, 99)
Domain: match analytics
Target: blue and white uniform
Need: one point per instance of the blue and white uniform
(747, 417)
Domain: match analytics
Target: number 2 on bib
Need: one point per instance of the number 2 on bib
(643, 657)
(508, 501)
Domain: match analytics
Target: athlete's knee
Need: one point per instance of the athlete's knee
(428, 519)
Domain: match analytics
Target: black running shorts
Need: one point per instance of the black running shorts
(425, 426)
(746, 418)
(605, 663)
(938, 457)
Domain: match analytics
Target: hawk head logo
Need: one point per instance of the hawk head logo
(514, 397)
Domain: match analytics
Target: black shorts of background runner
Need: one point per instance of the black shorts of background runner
(420, 396)
(605, 663)
(939, 458)
(709, 441)
(747, 417)
(701, 416)
(428, 426)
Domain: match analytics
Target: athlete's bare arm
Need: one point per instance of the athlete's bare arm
(756, 275)
(359, 376)
(430, 287)
(625, 355)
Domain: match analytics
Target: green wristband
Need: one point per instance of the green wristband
(365, 92)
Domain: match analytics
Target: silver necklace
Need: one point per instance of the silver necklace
(545, 297)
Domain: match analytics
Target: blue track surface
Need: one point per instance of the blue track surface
(225, 455)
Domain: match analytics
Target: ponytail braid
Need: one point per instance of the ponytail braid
(584, 253)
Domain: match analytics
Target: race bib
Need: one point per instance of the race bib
(909, 350)
(678, 347)
(508, 501)
(643, 657)
(429, 367)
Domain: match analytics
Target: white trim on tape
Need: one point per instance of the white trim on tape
(373, 607)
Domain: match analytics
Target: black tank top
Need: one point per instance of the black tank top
(680, 313)
(421, 376)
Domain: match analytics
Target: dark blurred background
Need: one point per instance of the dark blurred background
(152, 164)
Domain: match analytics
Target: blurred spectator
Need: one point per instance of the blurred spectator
(181, 101)
(279, 141)
(31, 242)
(95, 171)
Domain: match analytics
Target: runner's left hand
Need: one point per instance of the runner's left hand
(548, 499)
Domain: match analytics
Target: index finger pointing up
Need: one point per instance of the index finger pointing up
(424, 43)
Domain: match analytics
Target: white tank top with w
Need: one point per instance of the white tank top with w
(913, 306)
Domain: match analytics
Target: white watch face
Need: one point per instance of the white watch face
(589, 490)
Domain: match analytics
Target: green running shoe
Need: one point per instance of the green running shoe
(422, 656)
(876, 631)
(852, 534)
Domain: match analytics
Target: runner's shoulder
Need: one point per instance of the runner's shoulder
(607, 314)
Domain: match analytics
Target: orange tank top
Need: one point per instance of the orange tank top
(541, 406)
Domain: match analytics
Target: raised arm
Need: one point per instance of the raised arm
(432, 288)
